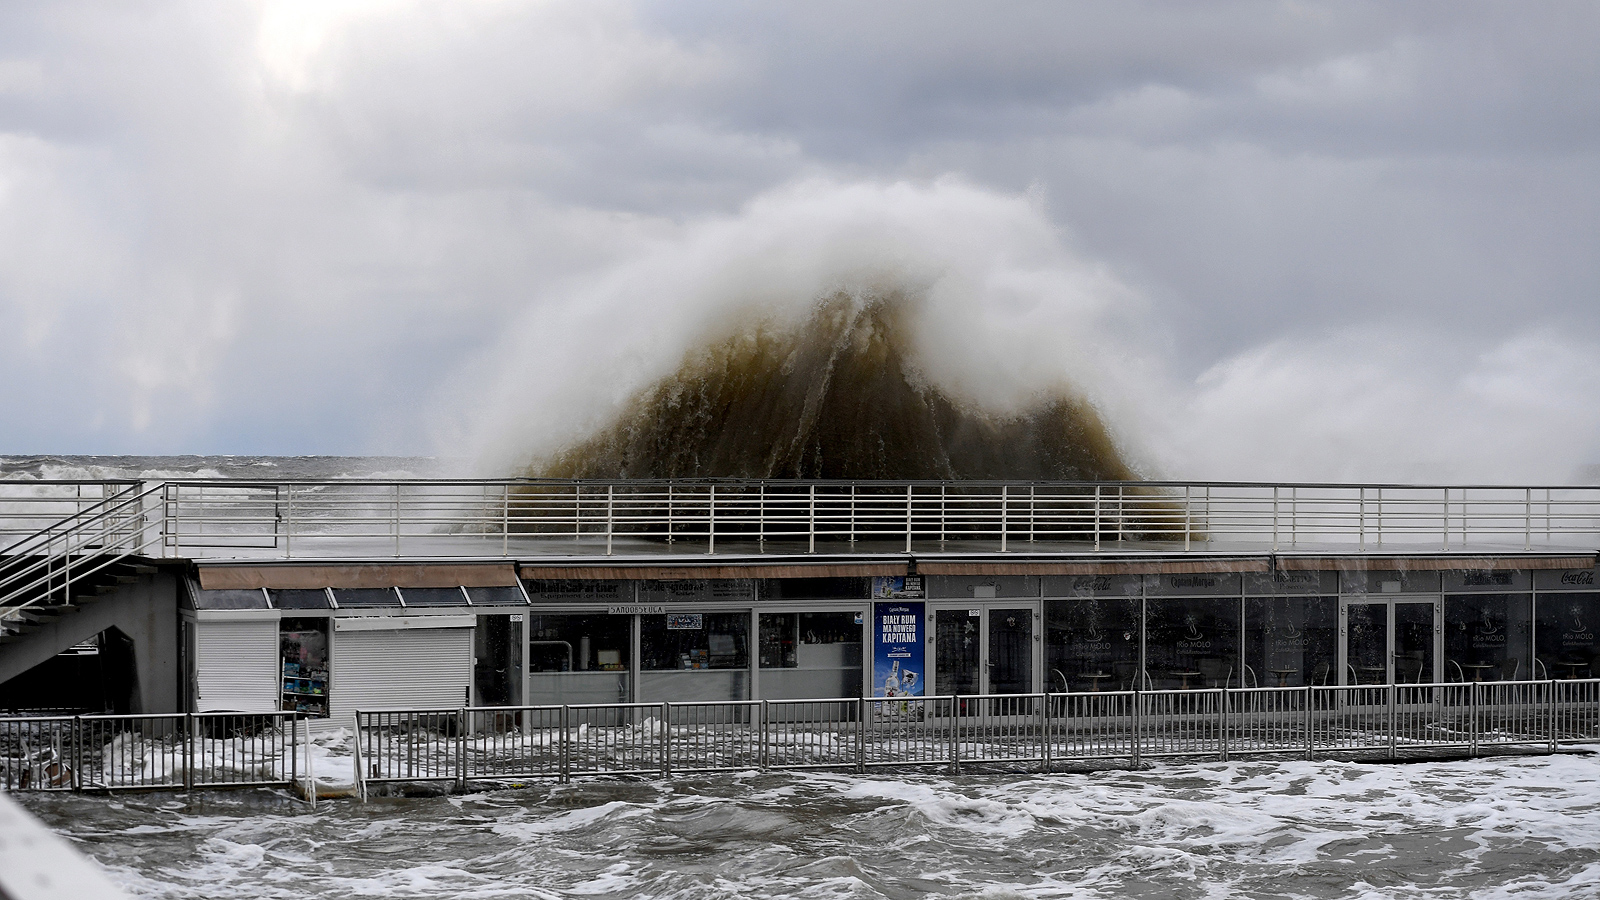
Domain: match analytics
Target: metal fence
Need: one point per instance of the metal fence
(28, 506)
(504, 517)
(1037, 732)
(178, 751)
(513, 517)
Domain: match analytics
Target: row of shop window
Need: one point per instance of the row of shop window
(711, 640)
(1100, 644)
(1293, 641)
(1088, 644)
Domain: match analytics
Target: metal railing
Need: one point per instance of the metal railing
(514, 517)
(44, 567)
(177, 751)
(1036, 732)
(1042, 732)
(29, 506)
(584, 517)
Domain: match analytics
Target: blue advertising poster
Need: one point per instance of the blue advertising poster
(897, 655)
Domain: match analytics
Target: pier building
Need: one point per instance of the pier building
(327, 597)
(338, 598)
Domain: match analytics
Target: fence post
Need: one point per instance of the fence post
(1472, 732)
(1138, 723)
(361, 770)
(294, 750)
(77, 753)
(563, 750)
(188, 754)
(311, 769)
(666, 737)
(1188, 513)
(1005, 490)
(955, 734)
(1393, 738)
(1097, 517)
(1222, 724)
(761, 757)
(908, 518)
(863, 710)
(1044, 732)
(811, 522)
(1527, 519)
(1551, 713)
(461, 750)
(1310, 737)
(852, 514)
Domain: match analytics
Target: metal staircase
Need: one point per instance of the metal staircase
(73, 561)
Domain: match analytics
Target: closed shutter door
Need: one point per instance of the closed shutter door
(411, 668)
(236, 666)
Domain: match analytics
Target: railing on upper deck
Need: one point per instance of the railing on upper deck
(522, 517)
(511, 518)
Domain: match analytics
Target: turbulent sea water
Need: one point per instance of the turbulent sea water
(1523, 827)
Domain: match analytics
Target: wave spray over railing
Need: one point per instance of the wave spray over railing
(839, 395)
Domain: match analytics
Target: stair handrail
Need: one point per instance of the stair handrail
(27, 545)
(43, 570)
(22, 556)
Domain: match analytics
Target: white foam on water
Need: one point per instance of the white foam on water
(951, 809)
(1493, 828)
(566, 823)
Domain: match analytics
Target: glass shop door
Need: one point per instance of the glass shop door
(985, 647)
(1389, 641)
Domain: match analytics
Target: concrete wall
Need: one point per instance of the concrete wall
(146, 611)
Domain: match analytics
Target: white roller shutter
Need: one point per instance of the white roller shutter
(400, 668)
(236, 666)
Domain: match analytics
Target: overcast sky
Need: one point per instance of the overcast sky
(1277, 240)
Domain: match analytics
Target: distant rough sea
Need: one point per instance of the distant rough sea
(44, 467)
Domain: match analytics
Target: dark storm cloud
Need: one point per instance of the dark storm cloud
(1260, 165)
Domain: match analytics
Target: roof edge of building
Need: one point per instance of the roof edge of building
(356, 575)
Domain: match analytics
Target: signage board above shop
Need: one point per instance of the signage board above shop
(1488, 581)
(698, 590)
(1565, 580)
(898, 587)
(1192, 584)
(1377, 581)
(566, 590)
(1291, 582)
(1093, 585)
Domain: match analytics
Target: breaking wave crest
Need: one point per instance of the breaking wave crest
(836, 396)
